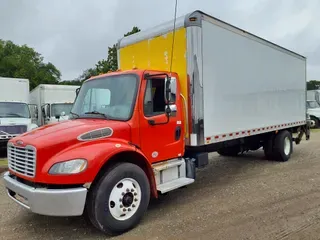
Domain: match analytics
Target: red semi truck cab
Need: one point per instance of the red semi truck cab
(121, 124)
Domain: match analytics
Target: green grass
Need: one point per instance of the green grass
(315, 130)
(3, 162)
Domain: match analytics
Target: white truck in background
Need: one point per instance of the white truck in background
(313, 106)
(313, 95)
(313, 109)
(15, 116)
(54, 102)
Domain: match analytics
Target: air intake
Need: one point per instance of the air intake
(96, 134)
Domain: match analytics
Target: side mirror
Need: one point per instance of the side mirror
(45, 109)
(33, 110)
(61, 115)
(168, 110)
(77, 91)
(170, 89)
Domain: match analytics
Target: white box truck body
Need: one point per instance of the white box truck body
(54, 102)
(15, 116)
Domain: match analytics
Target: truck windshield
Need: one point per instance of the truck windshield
(313, 104)
(111, 97)
(14, 110)
(58, 108)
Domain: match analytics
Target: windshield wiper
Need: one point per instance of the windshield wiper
(15, 115)
(97, 113)
(77, 115)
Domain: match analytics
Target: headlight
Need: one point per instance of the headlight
(69, 167)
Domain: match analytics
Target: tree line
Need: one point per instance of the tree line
(313, 85)
(22, 61)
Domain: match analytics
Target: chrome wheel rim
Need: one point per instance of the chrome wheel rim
(125, 199)
(287, 146)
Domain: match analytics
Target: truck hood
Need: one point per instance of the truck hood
(67, 132)
(314, 112)
(14, 121)
(18, 122)
(50, 140)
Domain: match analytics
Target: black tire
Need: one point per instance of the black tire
(282, 141)
(98, 206)
(316, 121)
(268, 148)
(229, 151)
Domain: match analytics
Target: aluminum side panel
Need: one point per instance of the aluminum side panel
(247, 84)
(195, 73)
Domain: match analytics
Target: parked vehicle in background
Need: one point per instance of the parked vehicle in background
(15, 116)
(54, 102)
(143, 130)
(313, 109)
(314, 95)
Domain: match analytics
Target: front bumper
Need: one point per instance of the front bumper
(51, 202)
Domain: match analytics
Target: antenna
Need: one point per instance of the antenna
(174, 33)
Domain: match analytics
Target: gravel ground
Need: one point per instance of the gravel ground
(233, 198)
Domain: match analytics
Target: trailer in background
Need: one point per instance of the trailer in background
(54, 102)
(15, 114)
(313, 95)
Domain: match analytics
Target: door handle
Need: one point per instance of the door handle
(177, 134)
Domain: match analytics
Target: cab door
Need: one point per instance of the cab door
(161, 138)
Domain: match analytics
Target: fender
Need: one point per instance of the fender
(126, 150)
(98, 153)
(150, 175)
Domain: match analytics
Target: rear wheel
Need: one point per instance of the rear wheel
(118, 202)
(283, 146)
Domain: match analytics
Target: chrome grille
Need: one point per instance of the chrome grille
(13, 129)
(22, 160)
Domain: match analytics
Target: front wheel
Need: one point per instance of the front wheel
(316, 122)
(118, 202)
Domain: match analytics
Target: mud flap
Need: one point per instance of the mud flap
(303, 130)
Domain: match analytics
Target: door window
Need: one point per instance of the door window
(154, 99)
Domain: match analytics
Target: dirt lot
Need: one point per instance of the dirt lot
(233, 198)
